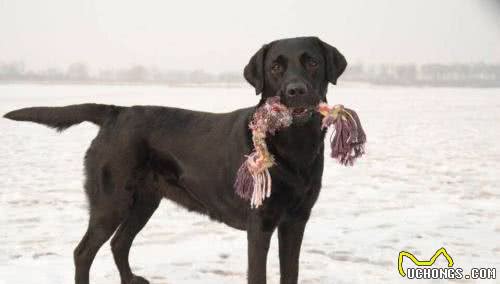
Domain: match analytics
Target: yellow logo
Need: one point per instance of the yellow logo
(441, 251)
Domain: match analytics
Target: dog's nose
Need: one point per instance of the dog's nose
(295, 88)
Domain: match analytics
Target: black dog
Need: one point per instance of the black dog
(144, 153)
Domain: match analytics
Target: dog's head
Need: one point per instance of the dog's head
(296, 69)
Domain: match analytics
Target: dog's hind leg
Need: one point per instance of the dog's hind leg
(145, 203)
(99, 231)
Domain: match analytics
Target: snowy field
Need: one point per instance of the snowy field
(430, 179)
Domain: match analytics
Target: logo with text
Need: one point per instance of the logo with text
(424, 269)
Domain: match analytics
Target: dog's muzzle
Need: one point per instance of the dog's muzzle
(301, 99)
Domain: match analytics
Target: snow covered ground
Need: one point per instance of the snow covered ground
(431, 179)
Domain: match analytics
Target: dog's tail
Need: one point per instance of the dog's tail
(61, 118)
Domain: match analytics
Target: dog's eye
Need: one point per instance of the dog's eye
(312, 63)
(276, 67)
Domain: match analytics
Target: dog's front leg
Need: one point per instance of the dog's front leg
(259, 237)
(290, 233)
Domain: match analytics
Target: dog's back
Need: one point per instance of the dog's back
(181, 154)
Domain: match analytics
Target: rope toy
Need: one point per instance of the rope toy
(253, 181)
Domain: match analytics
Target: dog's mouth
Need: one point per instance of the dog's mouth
(301, 107)
(302, 113)
(297, 111)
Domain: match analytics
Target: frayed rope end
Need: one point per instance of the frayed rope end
(244, 182)
(254, 187)
(349, 138)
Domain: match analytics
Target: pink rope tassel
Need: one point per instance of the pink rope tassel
(349, 138)
(244, 183)
(254, 186)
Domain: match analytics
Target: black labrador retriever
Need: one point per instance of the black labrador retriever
(144, 153)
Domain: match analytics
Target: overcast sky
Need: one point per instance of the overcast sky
(222, 35)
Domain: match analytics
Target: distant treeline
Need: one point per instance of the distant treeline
(473, 75)
(458, 75)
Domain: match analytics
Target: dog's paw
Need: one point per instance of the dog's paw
(138, 280)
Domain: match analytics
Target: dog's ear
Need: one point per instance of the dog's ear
(335, 62)
(254, 71)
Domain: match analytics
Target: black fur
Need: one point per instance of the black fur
(144, 153)
(61, 118)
